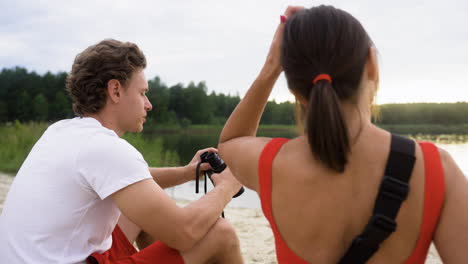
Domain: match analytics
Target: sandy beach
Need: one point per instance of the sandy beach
(257, 243)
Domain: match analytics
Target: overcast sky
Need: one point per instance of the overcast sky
(423, 45)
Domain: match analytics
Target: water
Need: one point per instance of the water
(187, 145)
(249, 199)
(459, 153)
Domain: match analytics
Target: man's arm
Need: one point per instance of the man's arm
(173, 176)
(149, 207)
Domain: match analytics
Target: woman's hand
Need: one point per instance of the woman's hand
(245, 118)
(273, 64)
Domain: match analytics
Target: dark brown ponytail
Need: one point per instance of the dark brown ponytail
(327, 40)
(326, 128)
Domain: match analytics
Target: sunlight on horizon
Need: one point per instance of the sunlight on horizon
(381, 100)
(413, 91)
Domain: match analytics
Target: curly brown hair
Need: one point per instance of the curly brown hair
(95, 66)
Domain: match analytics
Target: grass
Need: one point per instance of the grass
(214, 128)
(427, 129)
(16, 141)
(407, 129)
(153, 150)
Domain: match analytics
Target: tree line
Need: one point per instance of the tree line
(27, 96)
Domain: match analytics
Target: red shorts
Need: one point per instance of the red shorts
(123, 252)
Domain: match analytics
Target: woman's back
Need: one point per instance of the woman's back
(317, 208)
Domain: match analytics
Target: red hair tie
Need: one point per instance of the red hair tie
(322, 76)
(283, 19)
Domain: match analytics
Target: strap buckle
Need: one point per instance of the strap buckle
(378, 229)
(394, 188)
(366, 244)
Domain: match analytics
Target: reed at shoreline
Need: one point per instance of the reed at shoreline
(17, 139)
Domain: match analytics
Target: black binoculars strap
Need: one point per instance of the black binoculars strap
(197, 181)
(197, 178)
(392, 192)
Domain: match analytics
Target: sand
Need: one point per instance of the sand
(256, 237)
(5, 181)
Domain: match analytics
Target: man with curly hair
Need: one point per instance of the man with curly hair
(84, 194)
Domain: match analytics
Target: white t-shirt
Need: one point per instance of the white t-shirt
(58, 209)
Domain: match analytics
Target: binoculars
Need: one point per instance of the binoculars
(217, 165)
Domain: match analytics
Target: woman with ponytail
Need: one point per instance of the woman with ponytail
(344, 191)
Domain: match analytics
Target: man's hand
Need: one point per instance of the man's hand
(191, 167)
(226, 180)
(172, 176)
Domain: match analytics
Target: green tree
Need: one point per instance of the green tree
(23, 107)
(199, 109)
(3, 111)
(61, 107)
(40, 107)
(177, 101)
(159, 97)
(25, 96)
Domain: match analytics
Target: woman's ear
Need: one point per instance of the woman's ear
(371, 73)
(372, 68)
(114, 89)
(299, 98)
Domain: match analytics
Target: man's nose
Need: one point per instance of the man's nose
(148, 105)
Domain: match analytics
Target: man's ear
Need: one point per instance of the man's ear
(114, 90)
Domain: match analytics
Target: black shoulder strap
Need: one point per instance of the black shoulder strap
(392, 192)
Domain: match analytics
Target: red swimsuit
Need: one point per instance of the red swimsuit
(434, 193)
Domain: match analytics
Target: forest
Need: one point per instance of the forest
(27, 96)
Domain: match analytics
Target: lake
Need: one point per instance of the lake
(187, 144)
